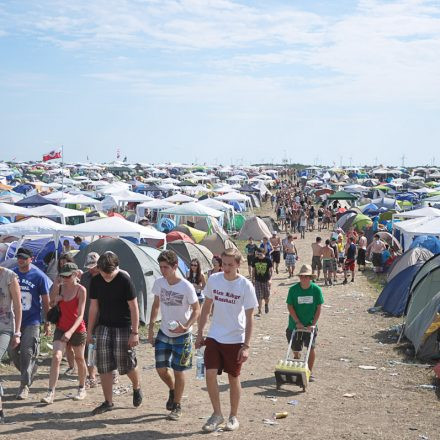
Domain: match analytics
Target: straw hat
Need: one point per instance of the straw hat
(306, 270)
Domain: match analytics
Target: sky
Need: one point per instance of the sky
(221, 81)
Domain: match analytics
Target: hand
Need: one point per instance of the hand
(47, 328)
(181, 329)
(200, 341)
(89, 338)
(150, 337)
(133, 340)
(66, 337)
(243, 354)
(299, 326)
(15, 341)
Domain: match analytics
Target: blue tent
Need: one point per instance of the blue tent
(23, 188)
(35, 200)
(395, 294)
(371, 208)
(428, 242)
(4, 220)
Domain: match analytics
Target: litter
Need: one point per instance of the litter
(423, 437)
(427, 387)
(266, 338)
(272, 398)
(367, 367)
(349, 395)
(344, 360)
(375, 309)
(293, 402)
(394, 374)
(269, 422)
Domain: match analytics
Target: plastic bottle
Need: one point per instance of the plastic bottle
(280, 415)
(200, 363)
(91, 353)
(172, 325)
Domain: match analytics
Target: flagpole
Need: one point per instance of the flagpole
(62, 171)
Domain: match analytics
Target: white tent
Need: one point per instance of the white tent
(114, 227)
(192, 209)
(422, 212)
(53, 211)
(153, 205)
(180, 198)
(8, 210)
(233, 196)
(32, 226)
(82, 200)
(118, 199)
(411, 228)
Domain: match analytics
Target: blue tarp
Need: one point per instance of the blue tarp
(4, 220)
(428, 242)
(395, 294)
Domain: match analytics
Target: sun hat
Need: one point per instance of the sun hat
(306, 270)
(68, 269)
(91, 260)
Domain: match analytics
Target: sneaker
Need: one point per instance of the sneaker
(352, 280)
(70, 371)
(312, 378)
(81, 394)
(170, 401)
(137, 398)
(213, 423)
(104, 407)
(266, 308)
(50, 396)
(176, 412)
(232, 424)
(115, 377)
(23, 393)
(91, 383)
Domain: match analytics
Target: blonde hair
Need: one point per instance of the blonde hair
(232, 252)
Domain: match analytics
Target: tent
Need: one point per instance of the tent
(173, 236)
(217, 243)
(59, 214)
(31, 227)
(153, 205)
(407, 259)
(421, 212)
(81, 200)
(424, 330)
(271, 223)
(390, 240)
(35, 200)
(394, 295)
(113, 227)
(196, 234)
(8, 210)
(180, 198)
(188, 251)
(342, 195)
(361, 222)
(386, 202)
(421, 293)
(411, 228)
(428, 242)
(143, 268)
(254, 227)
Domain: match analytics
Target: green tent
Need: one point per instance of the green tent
(342, 195)
(361, 221)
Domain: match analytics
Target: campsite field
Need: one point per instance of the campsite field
(345, 402)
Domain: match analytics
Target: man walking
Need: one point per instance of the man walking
(180, 309)
(328, 262)
(261, 276)
(317, 256)
(304, 302)
(291, 255)
(227, 343)
(275, 241)
(350, 258)
(114, 320)
(34, 286)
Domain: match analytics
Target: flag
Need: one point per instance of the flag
(118, 153)
(55, 154)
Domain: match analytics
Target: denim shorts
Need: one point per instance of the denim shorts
(175, 353)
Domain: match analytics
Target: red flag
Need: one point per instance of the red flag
(52, 155)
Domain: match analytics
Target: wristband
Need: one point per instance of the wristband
(18, 334)
(134, 333)
(245, 346)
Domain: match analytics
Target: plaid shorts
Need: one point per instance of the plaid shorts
(175, 353)
(262, 289)
(112, 351)
(290, 260)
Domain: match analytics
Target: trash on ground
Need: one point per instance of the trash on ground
(367, 367)
(269, 422)
(427, 387)
(375, 309)
(293, 402)
(344, 360)
(280, 415)
(266, 338)
(349, 395)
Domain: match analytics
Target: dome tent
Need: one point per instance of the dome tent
(254, 227)
(188, 251)
(217, 243)
(143, 268)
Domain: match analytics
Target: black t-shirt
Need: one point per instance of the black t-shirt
(262, 269)
(113, 299)
(251, 249)
(351, 252)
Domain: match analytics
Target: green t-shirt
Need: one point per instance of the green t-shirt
(305, 303)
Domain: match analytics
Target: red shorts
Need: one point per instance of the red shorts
(349, 265)
(222, 357)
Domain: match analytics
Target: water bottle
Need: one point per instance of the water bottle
(200, 363)
(91, 353)
(172, 325)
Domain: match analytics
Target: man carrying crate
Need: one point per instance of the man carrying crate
(304, 302)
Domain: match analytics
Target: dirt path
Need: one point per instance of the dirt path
(387, 404)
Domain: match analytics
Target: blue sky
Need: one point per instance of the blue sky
(221, 81)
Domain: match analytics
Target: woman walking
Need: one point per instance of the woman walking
(196, 278)
(70, 329)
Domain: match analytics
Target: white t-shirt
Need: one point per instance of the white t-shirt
(231, 299)
(175, 303)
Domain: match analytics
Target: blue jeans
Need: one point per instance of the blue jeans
(25, 355)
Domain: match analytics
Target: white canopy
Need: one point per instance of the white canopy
(417, 226)
(113, 227)
(231, 196)
(192, 209)
(153, 205)
(32, 226)
(422, 212)
(8, 210)
(80, 199)
(216, 204)
(180, 198)
(57, 212)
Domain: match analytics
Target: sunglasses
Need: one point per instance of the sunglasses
(194, 265)
(21, 257)
(66, 276)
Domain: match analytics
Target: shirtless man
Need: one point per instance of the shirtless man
(328, 256)
(316, 258)
(376, 249)
(291, 255)
(275, 241)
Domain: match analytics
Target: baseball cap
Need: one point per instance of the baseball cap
(91, 260)
(68, 269)
(24, 253)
